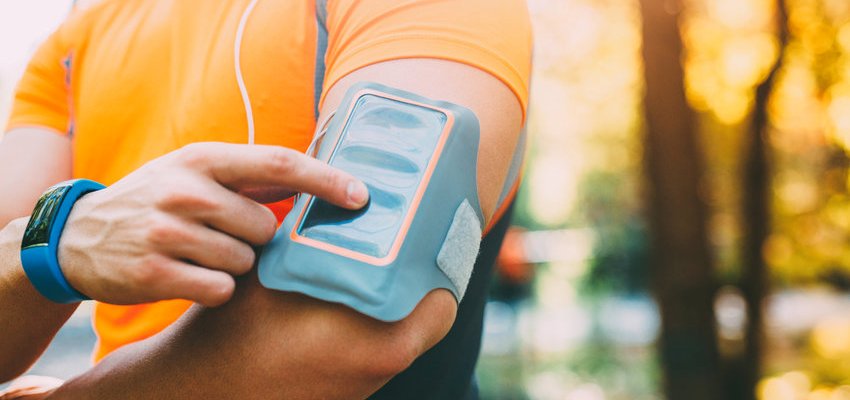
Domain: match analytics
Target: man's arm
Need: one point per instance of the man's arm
(174, 228)
(267, 344)
(32, 159)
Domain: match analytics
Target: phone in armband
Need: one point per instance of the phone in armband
(421, 228)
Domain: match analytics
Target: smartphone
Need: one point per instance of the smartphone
(392, 147)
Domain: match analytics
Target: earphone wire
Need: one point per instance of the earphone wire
(237, 50)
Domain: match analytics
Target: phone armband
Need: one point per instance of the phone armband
(421, 229)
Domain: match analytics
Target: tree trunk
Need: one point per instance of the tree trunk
(682, 276)
(743, 374)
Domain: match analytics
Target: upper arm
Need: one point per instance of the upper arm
(35, 152)
(497, 109)
(436, 50)
(32, 160)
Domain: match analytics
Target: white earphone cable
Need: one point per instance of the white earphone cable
(237, 50)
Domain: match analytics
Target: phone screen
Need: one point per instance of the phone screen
(388, 145)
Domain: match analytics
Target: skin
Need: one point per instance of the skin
(33, 159)
(268, 344)
(128, 244)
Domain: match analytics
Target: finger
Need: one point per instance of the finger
(205, 201)
(209, 248)
(239, 166)
(239, 216)
(173, 279)
(266, 195)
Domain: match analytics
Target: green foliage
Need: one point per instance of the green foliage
(620, 255)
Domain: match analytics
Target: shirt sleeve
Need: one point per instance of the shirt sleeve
(43, 97)
(494, 36)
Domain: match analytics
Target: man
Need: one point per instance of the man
(119, 93)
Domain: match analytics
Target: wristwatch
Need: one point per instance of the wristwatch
(40, 244)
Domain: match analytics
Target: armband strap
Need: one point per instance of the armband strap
(460, 248)
(422, 226)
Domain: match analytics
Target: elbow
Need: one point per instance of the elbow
(389, 359)
(12, 368)
(319, 349)
(404, 341)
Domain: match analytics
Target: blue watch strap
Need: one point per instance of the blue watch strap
(42, 269)
(39, 248)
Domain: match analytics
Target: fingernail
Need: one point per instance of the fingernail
(357, 193)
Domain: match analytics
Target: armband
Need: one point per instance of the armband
(421, 228)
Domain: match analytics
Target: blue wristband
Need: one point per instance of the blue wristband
(40, 244)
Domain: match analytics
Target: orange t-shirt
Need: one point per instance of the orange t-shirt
(131, 80)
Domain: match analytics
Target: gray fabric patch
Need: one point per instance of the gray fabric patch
(460, 249)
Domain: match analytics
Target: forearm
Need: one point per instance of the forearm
(28, 320)
(267, 344)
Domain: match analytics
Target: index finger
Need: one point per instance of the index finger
(241, 166)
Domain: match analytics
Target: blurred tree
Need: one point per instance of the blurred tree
(681, 259)
(743, 372)
(619, 264)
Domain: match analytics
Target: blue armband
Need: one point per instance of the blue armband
(420, 230)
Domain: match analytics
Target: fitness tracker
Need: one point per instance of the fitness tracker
(41, 240)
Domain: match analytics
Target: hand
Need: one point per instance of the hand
(184, 224)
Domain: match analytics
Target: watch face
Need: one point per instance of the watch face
(38, 229)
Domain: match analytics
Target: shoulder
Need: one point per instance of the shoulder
(86, 14)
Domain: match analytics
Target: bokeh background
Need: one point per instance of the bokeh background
(682, 229)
